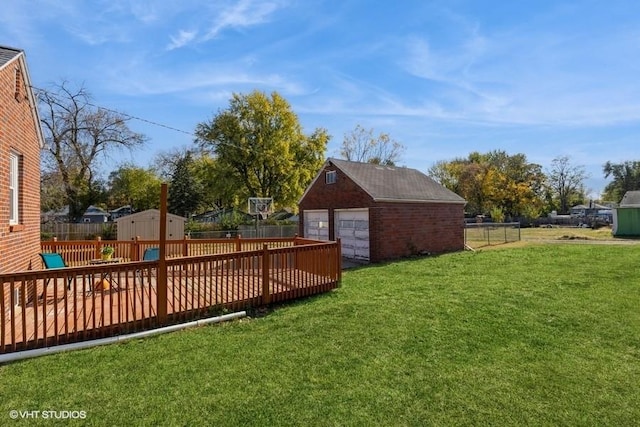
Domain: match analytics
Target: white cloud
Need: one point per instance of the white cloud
(245, 13)
(183, 38)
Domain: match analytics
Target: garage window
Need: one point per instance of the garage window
(330, 177)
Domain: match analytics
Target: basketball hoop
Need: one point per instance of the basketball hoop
(260, 206)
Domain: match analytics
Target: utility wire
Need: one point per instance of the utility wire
(151, 122)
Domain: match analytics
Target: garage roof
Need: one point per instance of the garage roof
(394, 184)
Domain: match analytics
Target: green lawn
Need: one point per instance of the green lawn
(538, 335)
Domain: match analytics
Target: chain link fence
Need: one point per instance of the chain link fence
(248, 232)
(486, 234)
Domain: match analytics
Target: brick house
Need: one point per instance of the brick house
(381, 212)
(21, 140)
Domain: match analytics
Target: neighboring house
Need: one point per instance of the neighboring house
(381, 212)
(146, 226)
(95, 215)
(21, 140)
(593, 209)
(283, 215)
(120, 212)
(61, 215)
(626, 217)
(219, 215)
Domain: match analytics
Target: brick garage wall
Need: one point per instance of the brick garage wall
(19, 245)
(404, 229)
(344, 194)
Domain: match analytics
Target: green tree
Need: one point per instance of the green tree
(258, 143)
(494, 182)
(626, 177)
(52, 195)
(219, 191)
(360, 145)
(566, 182)
(134, 186)
(185, 190)
(77, 136)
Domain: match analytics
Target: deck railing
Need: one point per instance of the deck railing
(81, 252)
(84, 302)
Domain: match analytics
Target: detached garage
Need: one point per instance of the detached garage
(381, 212)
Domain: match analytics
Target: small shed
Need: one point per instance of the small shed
(381, 212)
(626, 217)
(146, 225)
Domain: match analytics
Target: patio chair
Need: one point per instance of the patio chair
(53, 261)
(150, 254)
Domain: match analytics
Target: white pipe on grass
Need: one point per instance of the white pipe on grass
(20, 355)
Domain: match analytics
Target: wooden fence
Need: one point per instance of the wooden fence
(84, 302)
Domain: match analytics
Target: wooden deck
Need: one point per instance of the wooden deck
(66, 315)
(109, 299)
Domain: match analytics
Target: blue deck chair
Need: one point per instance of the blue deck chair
(52, 261)
(150, 254)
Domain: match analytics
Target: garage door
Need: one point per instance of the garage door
(352, 227)
(316, 224)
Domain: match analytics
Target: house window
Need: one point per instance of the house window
(14, 189)
(330, 177)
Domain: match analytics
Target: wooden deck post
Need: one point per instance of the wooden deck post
(238, 242)
(162, 261)
(266, 297)
(339, 260)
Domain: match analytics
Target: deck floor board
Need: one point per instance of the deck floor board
(72, 313)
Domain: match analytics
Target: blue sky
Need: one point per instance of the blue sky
(444, 78)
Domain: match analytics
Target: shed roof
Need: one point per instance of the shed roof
(631, 199)
(393, 184)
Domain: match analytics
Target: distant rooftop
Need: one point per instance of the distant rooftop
(631, 199)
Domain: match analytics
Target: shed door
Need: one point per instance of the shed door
(316, 224)
(352, 227)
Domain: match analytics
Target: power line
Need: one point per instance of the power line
(151, 122)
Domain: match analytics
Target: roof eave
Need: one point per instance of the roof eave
(441, 201)
(32, 98)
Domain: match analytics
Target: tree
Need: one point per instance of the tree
(219, 191)
(77, 136)
(185, 190)
(52, 194)
(361, 146)
(626, 177)
(259, 145)
(134, 186)
(566, 182)
(494, 182)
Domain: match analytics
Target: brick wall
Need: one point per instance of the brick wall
(19, 245)
(404, 229)
(395, 229)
